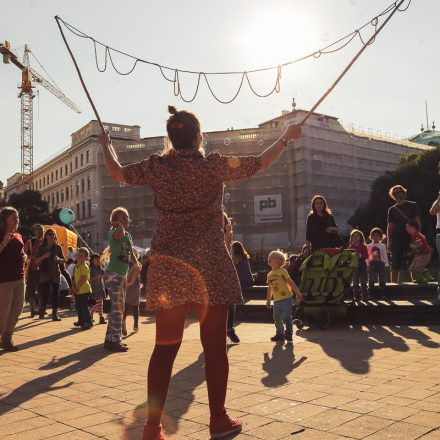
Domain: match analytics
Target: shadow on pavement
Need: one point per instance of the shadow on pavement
(45, 384)
(280, 364)
(354, 347)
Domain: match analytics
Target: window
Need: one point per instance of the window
(127, 130)
(89, 183)
(82, 185)
(67, 193)
(89, 207)
(83, 208)
(78, 214)
(71, 167)
(65, 170)
(61, 172)
(44, 180)
(51, 177)
(56, 174)
(87, 156)
(53, 199)
(116, 129)
(76, 163)
(62, 195)
(47, 180)
(40, 184)
(82, 159)
(77, 187)
(58, 197)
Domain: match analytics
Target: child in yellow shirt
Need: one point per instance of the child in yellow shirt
(280, 286)
(82, 289)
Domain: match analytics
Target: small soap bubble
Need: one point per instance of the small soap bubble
(227, 141)
(94, 206)
(260, 142)
(227, 196)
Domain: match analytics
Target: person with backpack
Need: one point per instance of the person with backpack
(31, 248)
(398, 238)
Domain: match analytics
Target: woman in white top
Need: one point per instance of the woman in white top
(435, 210)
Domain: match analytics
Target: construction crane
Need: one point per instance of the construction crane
(29, 76)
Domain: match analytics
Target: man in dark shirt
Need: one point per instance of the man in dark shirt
(398, 239)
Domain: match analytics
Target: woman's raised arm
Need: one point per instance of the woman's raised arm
(111, 160)
(272, 153)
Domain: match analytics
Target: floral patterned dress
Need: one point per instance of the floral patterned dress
(189, 260)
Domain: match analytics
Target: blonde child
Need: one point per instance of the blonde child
(82, 289)
(378, 261)
(280, 287)
(357, 243)
(120, 255)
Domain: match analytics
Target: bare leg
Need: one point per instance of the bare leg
(169, 332)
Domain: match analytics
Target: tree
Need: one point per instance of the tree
(419, 173)
(31, 208)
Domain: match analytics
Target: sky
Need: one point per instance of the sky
(384, 91)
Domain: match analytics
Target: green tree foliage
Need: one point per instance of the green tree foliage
(32, 209)
(419, 173)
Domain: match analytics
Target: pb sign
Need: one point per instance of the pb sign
(268, 209)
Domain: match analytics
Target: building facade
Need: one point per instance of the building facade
(269, 211)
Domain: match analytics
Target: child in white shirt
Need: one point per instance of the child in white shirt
(377, 259)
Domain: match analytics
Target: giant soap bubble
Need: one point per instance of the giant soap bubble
(67, 216)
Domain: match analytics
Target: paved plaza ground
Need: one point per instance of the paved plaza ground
(368, 382)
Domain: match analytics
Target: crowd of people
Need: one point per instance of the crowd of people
(194, 263)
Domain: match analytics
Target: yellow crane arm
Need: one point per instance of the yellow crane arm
(54, 90)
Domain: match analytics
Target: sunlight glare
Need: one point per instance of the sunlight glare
(275, 35)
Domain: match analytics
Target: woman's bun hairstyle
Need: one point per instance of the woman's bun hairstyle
(182, 128)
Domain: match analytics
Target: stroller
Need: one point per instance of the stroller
(325, 282)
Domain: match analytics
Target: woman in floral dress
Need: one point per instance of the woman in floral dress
(190, 264)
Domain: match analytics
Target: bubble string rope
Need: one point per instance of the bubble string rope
(174, 78)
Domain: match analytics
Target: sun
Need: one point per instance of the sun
(274, 34)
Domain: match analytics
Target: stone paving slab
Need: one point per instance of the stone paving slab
(362, 382)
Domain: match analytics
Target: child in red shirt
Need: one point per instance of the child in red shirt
(420, 250)
(357, 243)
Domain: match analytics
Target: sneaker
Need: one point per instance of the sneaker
(86, 326)
(153, 433)
(55, 317)
(289, 337)
(233, 336)
(277, 337)
(8, 345)
(33, 313)
(298, 323)
(223, 426)
(78, 324)
(135, 328)
(116, 346)
(124, 329)
(102, 320)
